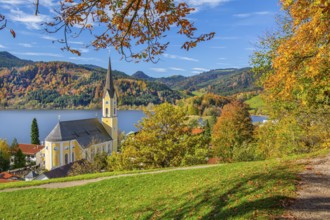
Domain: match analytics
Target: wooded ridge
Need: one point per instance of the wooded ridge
(64, 85)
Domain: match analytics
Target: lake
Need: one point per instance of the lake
(17, 123)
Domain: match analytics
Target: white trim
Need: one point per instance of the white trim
(70, 152)
(61, 153)
(51, 154)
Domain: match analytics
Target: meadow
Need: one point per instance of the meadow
(229, 191)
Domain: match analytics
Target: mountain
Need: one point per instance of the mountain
(68, 85)
(8, 60)
(218, 81)
(142, 75)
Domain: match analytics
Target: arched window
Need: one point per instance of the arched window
(107, 112)
(66, 158)
(72, 156)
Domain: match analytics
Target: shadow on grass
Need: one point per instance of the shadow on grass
(249, 197)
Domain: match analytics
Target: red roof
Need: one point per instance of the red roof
(197, 131)
(6, 177)
(30, 149)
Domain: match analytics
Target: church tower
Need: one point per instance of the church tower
(109, 109)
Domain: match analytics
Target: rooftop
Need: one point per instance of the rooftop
(85, 131)
(30, 149)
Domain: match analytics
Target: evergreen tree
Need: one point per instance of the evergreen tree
(14, 146)
(207, 130)
(35, 132)
(4, 156)
(19, 160)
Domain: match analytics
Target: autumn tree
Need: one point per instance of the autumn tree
(163, 140)
(137, 29)
(293, 65)
(233, 130)
(4, 155)
(34, 132)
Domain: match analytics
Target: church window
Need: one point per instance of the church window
(107, 112)
(114, 110)
(72, 156)
(66, 158)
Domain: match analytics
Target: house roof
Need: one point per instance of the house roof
(31, 175)
(62, 171)
(109, 86)
(197, 131)
(85, 131)
(8, 177)
(30, 149)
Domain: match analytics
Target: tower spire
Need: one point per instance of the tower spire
(109, 81)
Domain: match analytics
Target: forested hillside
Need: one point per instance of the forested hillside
(67, 85)
(219, 81)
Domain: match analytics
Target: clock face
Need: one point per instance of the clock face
(106, 102)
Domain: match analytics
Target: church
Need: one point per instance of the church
(70, 141)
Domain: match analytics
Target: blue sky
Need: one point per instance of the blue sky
(237, 23)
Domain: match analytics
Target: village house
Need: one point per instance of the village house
(6, 177)
(70, 141)
(33, 154)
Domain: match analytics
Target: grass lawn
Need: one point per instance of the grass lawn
(257, 105)
(230, 191)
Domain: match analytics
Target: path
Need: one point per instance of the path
(84, 182)
(313, 201)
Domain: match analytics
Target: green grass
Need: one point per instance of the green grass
(198, 93)
(66, 179)
(230, 191)
(257, 105)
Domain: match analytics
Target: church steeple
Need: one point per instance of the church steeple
(109, 108)
(109, 81)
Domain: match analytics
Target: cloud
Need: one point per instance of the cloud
(211, 3)
(217, 47)
(171, 56)
(45, 3)
(76, 42)
(177, 69)
(1, 46)
(226, 38)
(29, 20)
(46, 37)
(250, 48)
(84, 58)
(159, 70)
(199, 69)
(38, 54)
(25, 45)
(222, 58)
(245, 15)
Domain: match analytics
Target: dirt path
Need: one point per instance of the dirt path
(84, 182)
(313, 201)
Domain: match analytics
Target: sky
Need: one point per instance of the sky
(238, 25)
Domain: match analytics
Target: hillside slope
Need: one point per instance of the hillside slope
(238, 190)
(66, 85)
(8, 60)
(218, 81)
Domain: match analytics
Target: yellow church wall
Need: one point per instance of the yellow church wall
(56, 154)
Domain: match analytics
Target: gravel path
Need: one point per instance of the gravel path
(313, 201)
(84, 182)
